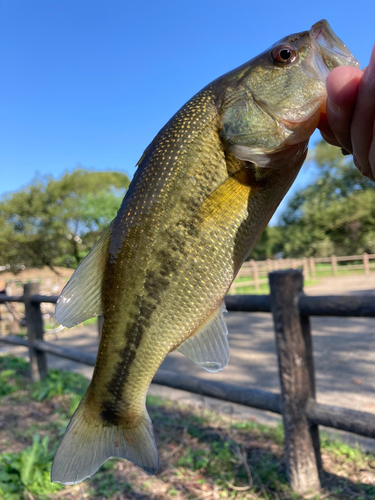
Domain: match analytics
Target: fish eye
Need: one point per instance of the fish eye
(283, 54)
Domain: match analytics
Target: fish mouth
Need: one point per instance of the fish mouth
(328, 52)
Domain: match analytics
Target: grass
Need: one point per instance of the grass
(27, 471)
(322, 270)
(325, 269)
(91, 321)
(263, 289)
(202, 454)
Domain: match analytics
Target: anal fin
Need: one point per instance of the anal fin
(209, 347)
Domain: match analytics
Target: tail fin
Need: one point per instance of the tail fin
(87, 444)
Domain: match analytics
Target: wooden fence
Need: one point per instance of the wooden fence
(258, 270)
(291, 310)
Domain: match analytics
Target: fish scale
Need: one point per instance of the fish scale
(203, 192)
(152, 282)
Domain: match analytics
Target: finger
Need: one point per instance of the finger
(362, 128)
(326, 131)
(342, 89)
(372, 157)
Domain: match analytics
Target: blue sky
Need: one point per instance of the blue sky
(92, 82)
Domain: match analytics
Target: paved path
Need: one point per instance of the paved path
(344, 356)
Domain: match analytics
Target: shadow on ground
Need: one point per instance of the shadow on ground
(201, 458)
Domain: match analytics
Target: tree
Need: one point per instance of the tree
(269, 244)
(334, 215)
(56, 222)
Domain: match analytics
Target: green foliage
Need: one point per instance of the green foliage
(56, 222)
(338, 448)
(10, 369)
(105, 482)
(212, 450)
(19, 365)
(155, 400)
(218, 460)
(5, 387)
(334, 215)
(275, 433)
(58, 383)
(267, 469)
(269, 244)
(28, 470)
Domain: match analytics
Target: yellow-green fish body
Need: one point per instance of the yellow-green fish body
(204, 190)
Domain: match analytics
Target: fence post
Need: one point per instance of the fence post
(255, 274)
(334, 265)
(34, 323)
(269, 265)
(294, 351)
(305, 266)
(100, 326)
(366, 264)
(312, 266)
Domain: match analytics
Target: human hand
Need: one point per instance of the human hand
(349, 121)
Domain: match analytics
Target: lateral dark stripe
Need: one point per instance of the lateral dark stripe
(156, 283)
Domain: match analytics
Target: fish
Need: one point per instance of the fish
(203, 192)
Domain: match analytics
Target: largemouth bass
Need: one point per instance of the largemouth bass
(204, 190)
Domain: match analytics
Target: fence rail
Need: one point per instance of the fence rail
(291, 310)
(258, 270)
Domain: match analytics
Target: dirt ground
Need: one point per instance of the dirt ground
(344, 356)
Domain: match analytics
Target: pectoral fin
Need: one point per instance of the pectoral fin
(252, 155)
(275, 159)
(209, 347)
(81, 297)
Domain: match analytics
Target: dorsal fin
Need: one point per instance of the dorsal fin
(81, 297)
(209, 347)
